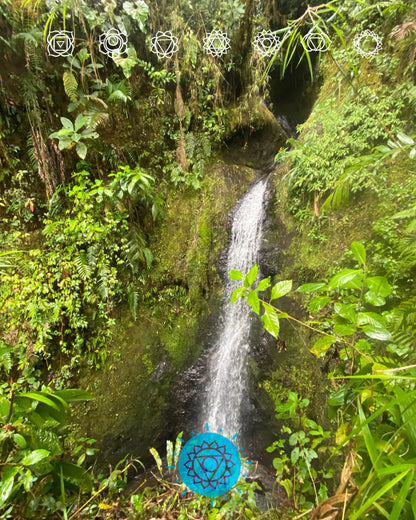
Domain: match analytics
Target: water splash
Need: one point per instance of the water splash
(228, 363)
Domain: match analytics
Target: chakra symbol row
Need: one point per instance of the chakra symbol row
(164, 44)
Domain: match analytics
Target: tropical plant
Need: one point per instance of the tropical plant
(376, 405)
(70, 135)
(36, 480)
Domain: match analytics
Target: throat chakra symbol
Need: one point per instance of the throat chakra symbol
(367, 35)
(266, 43)
(164, 44)
(216, 43)
(209, 464)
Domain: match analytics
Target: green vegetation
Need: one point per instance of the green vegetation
(113, 217)
(371, 399)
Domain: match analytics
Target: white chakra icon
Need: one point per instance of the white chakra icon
(164, 44)
(60, 43)
(216, 43)
(316, 42)
(364, 38)
(266, 43)
(113, 43)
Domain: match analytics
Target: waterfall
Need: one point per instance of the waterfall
(228, 363)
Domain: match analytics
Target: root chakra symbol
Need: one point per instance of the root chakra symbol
(209, 464)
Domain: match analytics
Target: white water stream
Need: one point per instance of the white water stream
(228, 363)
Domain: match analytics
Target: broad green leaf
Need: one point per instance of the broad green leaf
(318, 303)
(322, 345)
(310, 287)
(34, 457)
(358, 251)
(251, 276)
(280, 289)
(237, 294)
(376, 332)
(270, 320)
(347, 279)
(66, 123)
(341, 329)
(73, 394)
(38, 396)
(6, 487)
(64, 143)
(80, 122)
(264, 284)
(337, 398)
(370, 318)
(20, 440)
(374, 299)
(81, 149)
(379, 285)
(236, 275)
(346, 311)
(253, 301)
(62, 132)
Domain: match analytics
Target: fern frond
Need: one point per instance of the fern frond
(82, 266)
(70, 85)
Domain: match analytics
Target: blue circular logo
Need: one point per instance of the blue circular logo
(209, 464)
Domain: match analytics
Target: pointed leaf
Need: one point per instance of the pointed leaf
(80, 122)
(66, 123)
(236, 275)
(253, 301)
(322, 345)
(238, 293)
(81, 149)
(270, 320)
(264, 284)
(252, 275)
(73, 394)
(374, 299)
(358, 251)
(280, 289)
(347, 279)
(379, 285)
(34, 457)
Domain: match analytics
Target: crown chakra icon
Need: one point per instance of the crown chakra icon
(164, 44)
(216, 43)
(366, 36)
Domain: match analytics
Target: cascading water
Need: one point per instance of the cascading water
(228, 362)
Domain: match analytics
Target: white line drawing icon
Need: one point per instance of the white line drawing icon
(216, 43)
(316, 42)
(60, 43)
(266, 43)
(113, 43)
(367, 35)
(164, 44)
